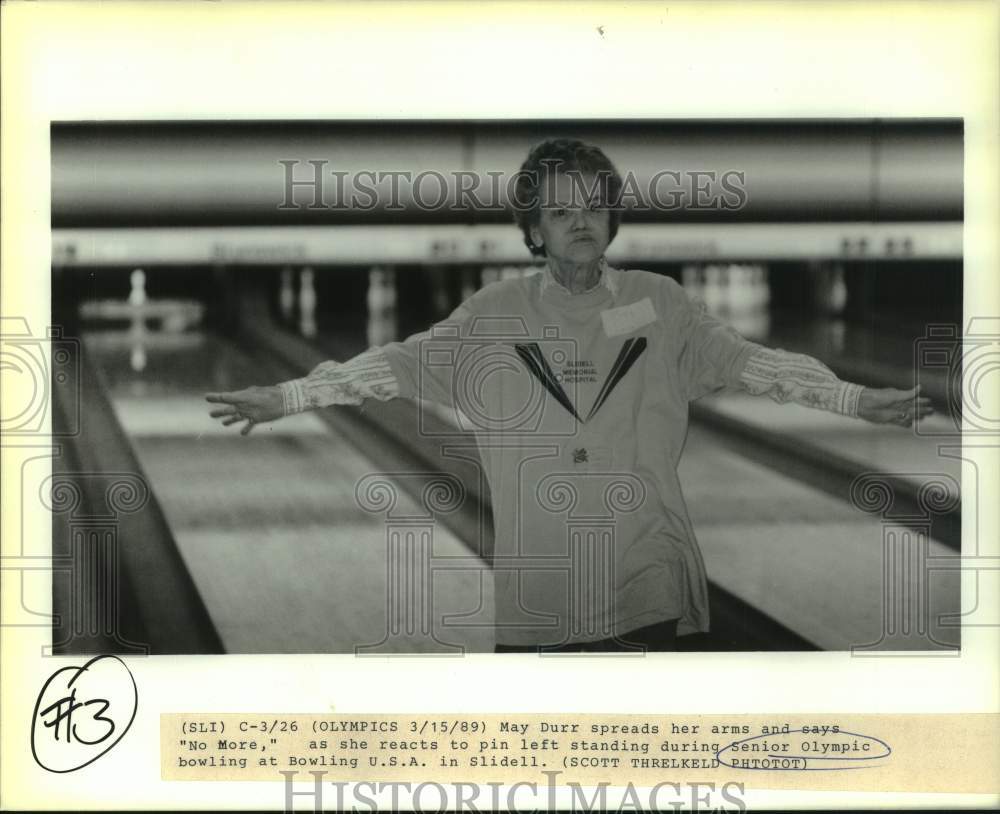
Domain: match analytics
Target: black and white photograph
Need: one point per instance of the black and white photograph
(506, 386)
(499, 406)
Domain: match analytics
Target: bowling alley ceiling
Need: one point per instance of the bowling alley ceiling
(153, 174)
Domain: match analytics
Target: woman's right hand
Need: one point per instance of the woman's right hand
(255, 405)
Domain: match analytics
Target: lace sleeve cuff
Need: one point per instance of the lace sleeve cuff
(785, 376)
(365, 376)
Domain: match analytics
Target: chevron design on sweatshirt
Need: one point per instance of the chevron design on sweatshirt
(533, 358)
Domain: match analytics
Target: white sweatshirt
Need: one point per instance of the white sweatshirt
(579, 403)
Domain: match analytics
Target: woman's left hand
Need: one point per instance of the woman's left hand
(886, 405)
(254, 405)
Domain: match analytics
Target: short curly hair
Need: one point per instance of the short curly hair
(563, 155)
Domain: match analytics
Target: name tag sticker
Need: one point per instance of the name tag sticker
(628, 318)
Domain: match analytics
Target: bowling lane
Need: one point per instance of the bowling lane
(268, 524)
(872, 447)
(873, 353)
(808, 560)
(819, 542)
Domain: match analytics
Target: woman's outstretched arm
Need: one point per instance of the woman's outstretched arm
(367, 375)
(785, 376)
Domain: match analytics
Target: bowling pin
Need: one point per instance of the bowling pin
(383, 330)
(726, 294)
(690, 280)
(137, 321)
(757, 282)
(378, 292)
(381, 326)
(137, 359)
(731, 302)
(137, 328)
(307, 303)
(754, 288)
(838, 290)
(741, 295)
(757, 287)
(712, 292)
(762, 290)
(831, 289)
(286, 296)
(137, 294)
(390, 288)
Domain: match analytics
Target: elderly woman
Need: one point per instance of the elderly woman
(578, 380)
